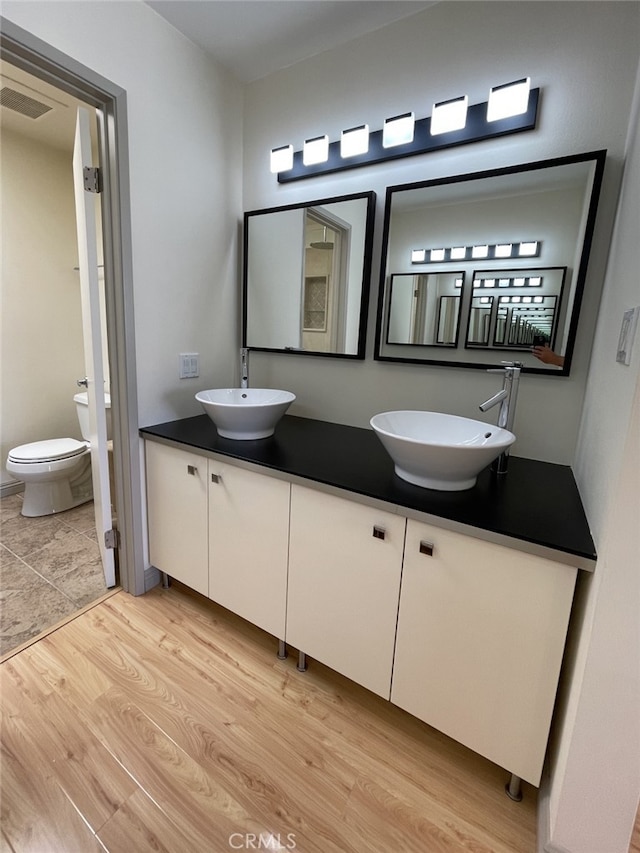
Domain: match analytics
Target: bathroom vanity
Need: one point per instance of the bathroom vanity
(452, 605)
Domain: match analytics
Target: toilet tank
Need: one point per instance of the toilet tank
(82, 408)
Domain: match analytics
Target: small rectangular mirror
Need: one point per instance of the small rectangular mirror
(523, 307)
(306, 276)
(424, 309)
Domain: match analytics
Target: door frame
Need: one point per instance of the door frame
(26, 51)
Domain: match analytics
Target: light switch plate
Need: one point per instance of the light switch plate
(627, 335)
(189, 365)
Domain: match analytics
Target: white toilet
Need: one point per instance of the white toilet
(57, 472)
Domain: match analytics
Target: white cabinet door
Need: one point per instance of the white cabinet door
(344, 578)
(481, 634)
(177, 514)
(248, 544)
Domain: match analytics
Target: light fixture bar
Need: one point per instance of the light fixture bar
(520, 281)
(476, 129)
(480, 251)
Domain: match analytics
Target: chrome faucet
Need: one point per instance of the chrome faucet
(507, 397)
(244, 367)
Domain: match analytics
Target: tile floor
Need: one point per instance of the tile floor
(50, 567)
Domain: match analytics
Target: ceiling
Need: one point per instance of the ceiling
(254, 38)
(251, 38)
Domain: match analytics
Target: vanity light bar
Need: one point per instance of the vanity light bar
(516, 281)
(481, 251)
(538, 300)
(453, 122)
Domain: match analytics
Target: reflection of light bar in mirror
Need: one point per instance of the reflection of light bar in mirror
(354, 141)
(449, 115)
(510, 99)
(458, 282)
(535, 281)
(281, 158)
(527, 249)
(518, 282)
(418, 256)
(398, 130)
(315, 150)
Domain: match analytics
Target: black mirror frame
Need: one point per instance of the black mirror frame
(366, 273)
(599, 159)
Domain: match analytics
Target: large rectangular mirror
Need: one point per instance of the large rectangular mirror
(519, 238)
(306, 276)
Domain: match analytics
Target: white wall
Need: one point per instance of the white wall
(596, 768)
(580, 54)
(42, 352)
(185, 125)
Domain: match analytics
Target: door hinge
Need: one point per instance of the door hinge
(92, 179)
(111, 538)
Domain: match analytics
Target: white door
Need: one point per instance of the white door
(92, 329)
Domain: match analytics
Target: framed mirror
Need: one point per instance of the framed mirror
(306, 276)
(523, 307)
(424, 309)
(517, 241)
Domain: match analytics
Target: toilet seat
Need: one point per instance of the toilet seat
(51, 450)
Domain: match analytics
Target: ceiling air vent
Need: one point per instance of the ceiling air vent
(22, 104)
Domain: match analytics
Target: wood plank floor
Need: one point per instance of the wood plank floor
(164, 723)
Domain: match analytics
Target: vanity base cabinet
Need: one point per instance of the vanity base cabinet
(345, 563)
(177, 514)
(248, 544)
(481, 635)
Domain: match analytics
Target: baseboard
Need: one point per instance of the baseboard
(151, 578)
(543, 834)
(544, 815)
(13, 488)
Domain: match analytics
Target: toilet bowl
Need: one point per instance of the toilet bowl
(57, 472)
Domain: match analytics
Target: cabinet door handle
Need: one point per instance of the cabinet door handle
(379, 532)
(191, 469)
(426, 548)
(216, 478)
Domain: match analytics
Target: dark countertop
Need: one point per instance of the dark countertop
(536, 502)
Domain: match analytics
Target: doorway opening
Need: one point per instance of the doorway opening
(29, 54)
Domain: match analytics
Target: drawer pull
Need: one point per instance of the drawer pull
(191, 469)
(426, 548)
(379, 532)
(216, 478)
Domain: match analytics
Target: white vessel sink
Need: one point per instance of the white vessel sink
(245, 413)
(439, 451)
